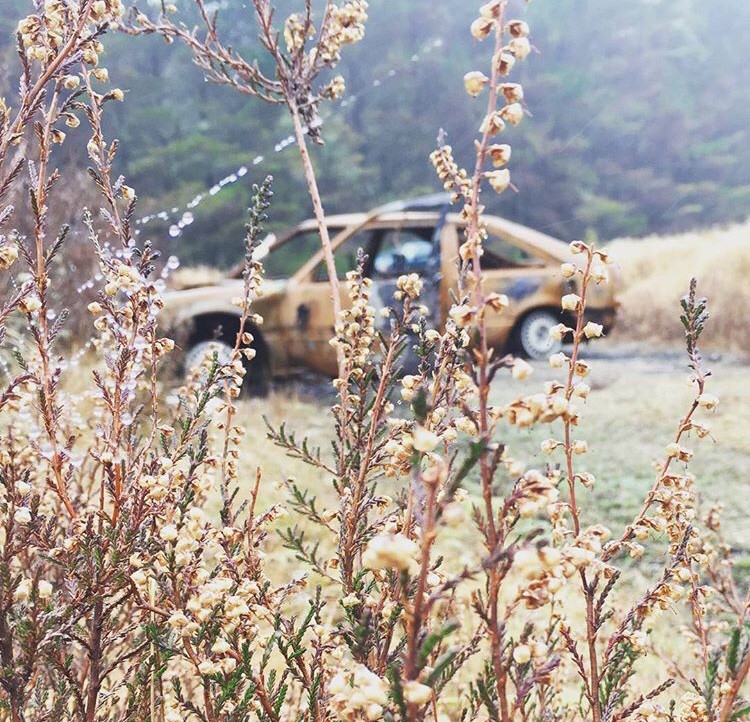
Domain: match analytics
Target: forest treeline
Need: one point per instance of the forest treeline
(640, 119)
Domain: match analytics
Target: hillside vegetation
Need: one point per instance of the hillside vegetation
(640, 120)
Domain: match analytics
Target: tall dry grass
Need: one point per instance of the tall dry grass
(656, 269)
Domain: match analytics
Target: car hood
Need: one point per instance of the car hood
(216, 298)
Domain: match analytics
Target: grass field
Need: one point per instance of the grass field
(630, 416)
(655, 272)
(640, 390)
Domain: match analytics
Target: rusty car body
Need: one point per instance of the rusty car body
(420, 236)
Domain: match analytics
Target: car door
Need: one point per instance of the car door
(392, 249)
(308, 313)
(519, 273)
(527, 278)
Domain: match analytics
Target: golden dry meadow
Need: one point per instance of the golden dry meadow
(654, 273)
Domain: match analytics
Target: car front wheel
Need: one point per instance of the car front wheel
(532, 337)
(199, 357)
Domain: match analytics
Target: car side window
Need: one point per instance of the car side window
(403, 250)
(500, 253)
(345, 256)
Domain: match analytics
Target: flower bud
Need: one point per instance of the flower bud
(558, 332)
(168, 533)
(30, 304)
(493, 124)
(521, 370)
(557, 360)
(581, 390)
(580, 447)
(22, 515)
(416, 693)
(571, 302)
(512, 113)
(491, 10)
(498, 179)
(513, 92)
(517, 28)
(676, 451)
(424, 439)
(520, 47)
(500, 154)
(568, 270)
(475, 82)
(708, 401)
(599, 273)
(505, 62)
(23, 591)
(498, 302)
(8, 255)
(481, 28)
(577, 247)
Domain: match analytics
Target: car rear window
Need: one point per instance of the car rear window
(501, 253)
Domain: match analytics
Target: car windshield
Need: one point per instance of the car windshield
(285, 259)
(392, 250)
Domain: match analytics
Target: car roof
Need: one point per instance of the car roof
(344, 220)
(553, 248)
(549, 245)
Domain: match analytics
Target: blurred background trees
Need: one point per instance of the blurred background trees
(641, 122)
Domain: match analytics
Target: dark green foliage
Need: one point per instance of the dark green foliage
(640, 119)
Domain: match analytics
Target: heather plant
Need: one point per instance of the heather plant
(300, 52)
(122, 597)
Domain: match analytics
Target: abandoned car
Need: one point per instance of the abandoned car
(420, 236)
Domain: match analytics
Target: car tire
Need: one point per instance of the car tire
(531, 337)
(257, 379)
